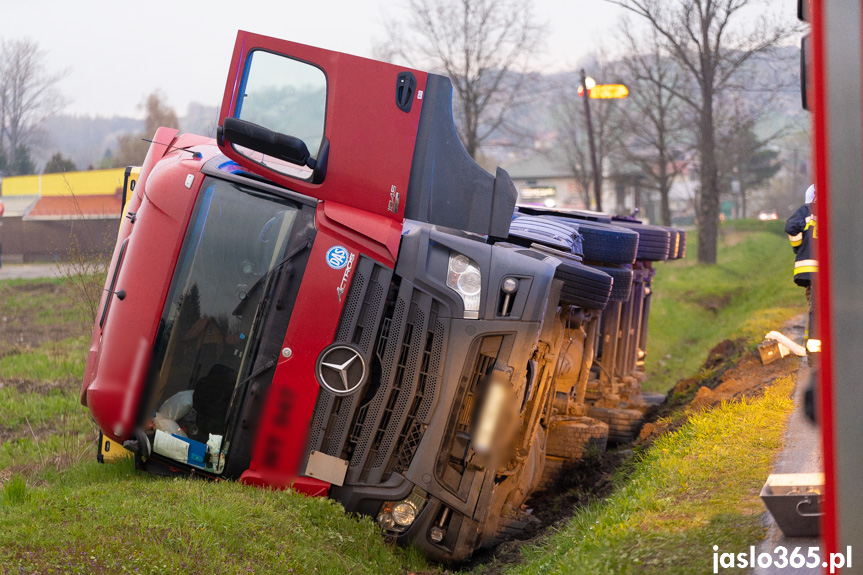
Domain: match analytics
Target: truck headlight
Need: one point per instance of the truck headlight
(397, 516)
(465, 278)
(404, 513)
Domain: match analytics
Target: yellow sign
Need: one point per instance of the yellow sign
(609, 92)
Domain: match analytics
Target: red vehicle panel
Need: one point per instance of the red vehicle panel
(363, 171)
(111, 391)
(291, 398)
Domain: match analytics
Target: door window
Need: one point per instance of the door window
(285, 96)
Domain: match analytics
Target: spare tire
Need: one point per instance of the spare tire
(653, 241)
(583, 286)
(622, 276)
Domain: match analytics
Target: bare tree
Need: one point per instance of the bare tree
(653, 119)
(484, 46)
(132, 148)
(709, 45)
(28, 95)
(572, 141)
(745, 158)
(573, 136)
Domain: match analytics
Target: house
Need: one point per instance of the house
(545, 179)
(47, 216)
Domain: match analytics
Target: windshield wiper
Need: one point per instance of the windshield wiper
(238, 311)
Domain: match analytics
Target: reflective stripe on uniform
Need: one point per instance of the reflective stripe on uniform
(805, 266)
(796, 240)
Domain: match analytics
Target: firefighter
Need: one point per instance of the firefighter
(802, 230)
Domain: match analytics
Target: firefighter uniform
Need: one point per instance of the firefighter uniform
(802, 230)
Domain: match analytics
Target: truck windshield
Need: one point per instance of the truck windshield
(206, 337)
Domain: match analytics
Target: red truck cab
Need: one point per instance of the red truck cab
(254, 323)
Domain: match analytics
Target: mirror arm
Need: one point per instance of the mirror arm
(320, 165)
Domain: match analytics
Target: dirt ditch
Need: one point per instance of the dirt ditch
(732, 371)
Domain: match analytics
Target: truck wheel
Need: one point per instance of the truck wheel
(653, 241)
(673, 243)
(623, 424)
(568, 439)
(681, 245)
(622, 277)
(569, 436)
(604, 242)
(583, 286)
(611, 244)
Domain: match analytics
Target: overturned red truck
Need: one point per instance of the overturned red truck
(333, 296)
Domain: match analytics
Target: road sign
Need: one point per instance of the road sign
(609, 92)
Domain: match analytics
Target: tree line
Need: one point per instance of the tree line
(689, 65)
(29, 95)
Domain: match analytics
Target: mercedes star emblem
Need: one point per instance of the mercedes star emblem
(341, 369)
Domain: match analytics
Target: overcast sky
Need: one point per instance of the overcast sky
(114, 55)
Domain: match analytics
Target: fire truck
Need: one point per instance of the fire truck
(832, 88)
(332, 296)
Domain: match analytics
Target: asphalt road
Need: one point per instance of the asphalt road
(28, 271)
(801, 454)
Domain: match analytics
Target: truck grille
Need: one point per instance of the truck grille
(397, 328)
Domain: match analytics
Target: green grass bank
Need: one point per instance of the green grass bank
(61, 512)
(748, 293)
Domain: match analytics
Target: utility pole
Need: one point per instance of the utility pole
(596, 175)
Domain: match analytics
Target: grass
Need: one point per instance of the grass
(43, 349)
(110, 519)
(673, 508)
(61, 512)
(51, 361)
(748, 293)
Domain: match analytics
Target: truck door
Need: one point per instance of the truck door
(328, 125)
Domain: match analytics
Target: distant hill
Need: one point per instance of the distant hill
(532, 125)
(87, 139)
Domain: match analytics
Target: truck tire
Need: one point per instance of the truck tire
(583, 286)
(681, 245)
(653, 241)
(570, 436)
(605, 242)
(525, 230)
(673, 242)
(568, 439)
(622, 277)
(623, 424)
